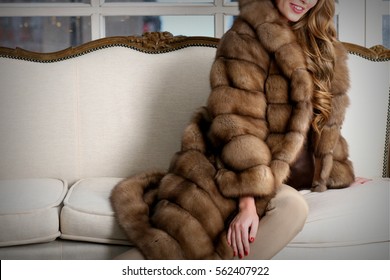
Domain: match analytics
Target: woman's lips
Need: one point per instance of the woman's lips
(297, 9)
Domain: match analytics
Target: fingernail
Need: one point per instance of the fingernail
(234, 254)
(246, 253)
(240, 256)
(252, 239)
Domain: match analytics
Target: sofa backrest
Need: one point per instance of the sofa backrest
(367, 121)
(105, 109)
(117, 106)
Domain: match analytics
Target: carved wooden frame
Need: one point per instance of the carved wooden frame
(150, 42)
(162, 42)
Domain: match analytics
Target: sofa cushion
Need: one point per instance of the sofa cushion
(353, 216)
(87, 214)
(29, 210)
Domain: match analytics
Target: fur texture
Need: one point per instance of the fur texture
(254, 130)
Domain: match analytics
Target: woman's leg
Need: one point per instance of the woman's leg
(285, 217)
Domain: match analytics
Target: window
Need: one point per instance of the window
(53, 25)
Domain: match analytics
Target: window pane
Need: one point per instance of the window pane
(229, 22)
(45, 1)
(386, 30)
(131, 25)
(44, 34)
(177, 25)
(189, 25)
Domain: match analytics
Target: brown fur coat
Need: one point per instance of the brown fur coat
(254, 132)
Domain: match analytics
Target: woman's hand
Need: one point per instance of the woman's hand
(243, 228)
(360, 181)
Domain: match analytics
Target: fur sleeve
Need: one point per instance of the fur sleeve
(237, 105)
(333, 169)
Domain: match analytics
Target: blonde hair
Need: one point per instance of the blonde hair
(317, 33)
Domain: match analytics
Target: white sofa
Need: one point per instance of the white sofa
(75, 122)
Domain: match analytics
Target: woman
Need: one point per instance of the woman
(272, 123)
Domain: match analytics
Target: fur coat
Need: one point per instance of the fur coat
(253, 135)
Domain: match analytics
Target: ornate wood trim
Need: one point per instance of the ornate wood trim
(386, 158)
(375, 53)
(158, 42)
(150, 42)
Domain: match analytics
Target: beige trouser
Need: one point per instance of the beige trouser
(285, 216)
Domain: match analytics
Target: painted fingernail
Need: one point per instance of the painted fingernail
(240, 256)
(246, 253)
(234, 254)
(252, 239)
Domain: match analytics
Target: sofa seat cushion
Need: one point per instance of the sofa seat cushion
(29, 210)
(353, 216)
(87, 214)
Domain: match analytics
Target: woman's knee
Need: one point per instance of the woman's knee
(291, 205)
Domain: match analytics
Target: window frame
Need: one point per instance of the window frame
(99, 9)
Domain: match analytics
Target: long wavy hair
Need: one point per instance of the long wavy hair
(317, 33)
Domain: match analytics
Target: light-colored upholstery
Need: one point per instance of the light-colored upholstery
(341, 221)
(29, 210)
(110, 111)
(366, 126)
(87, 214)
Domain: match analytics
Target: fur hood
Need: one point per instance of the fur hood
(254, 129)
